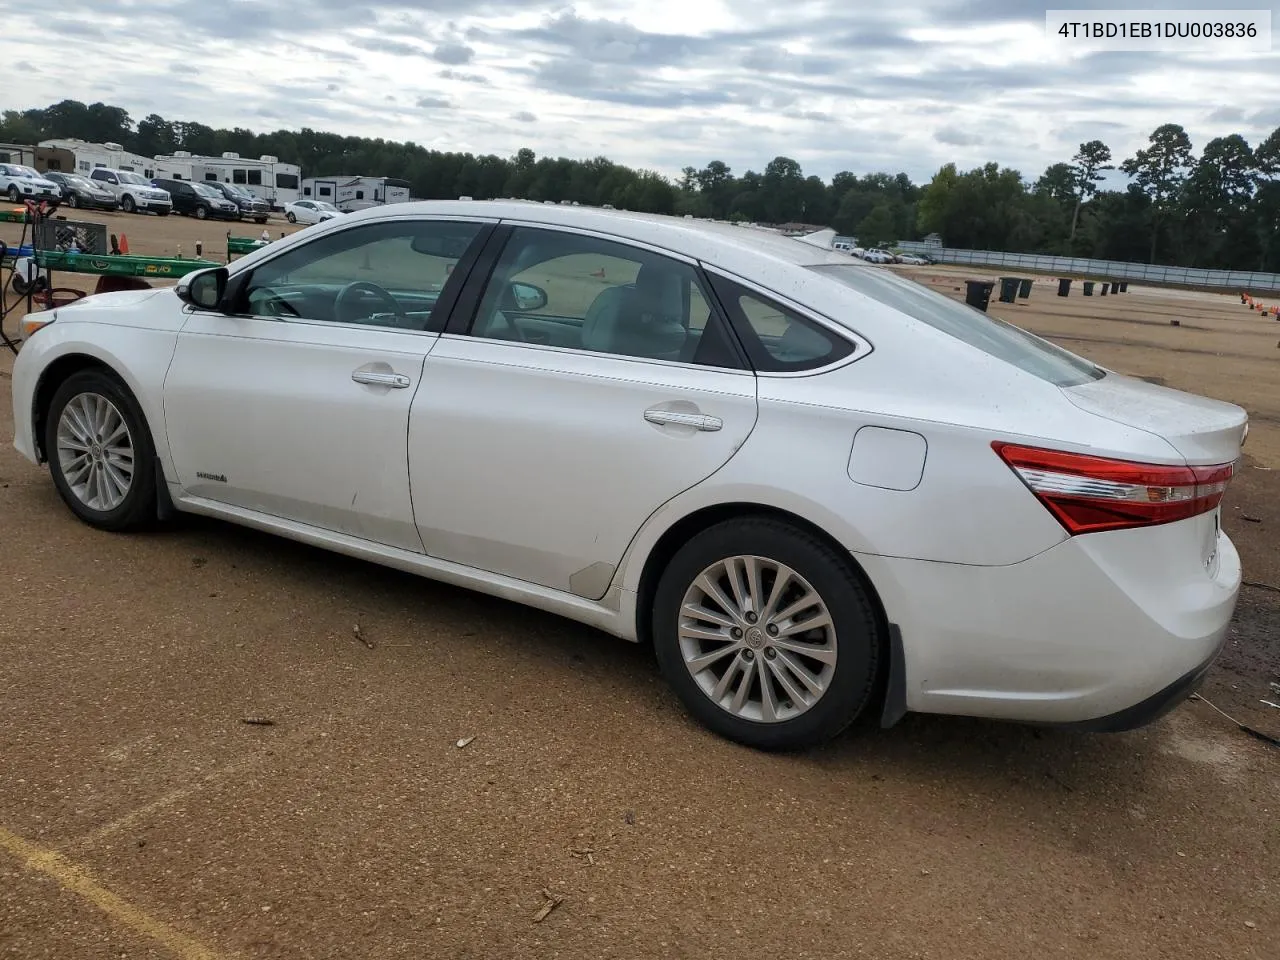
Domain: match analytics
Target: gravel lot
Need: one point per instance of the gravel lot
(140, 816)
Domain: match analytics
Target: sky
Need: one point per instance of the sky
(655, 84)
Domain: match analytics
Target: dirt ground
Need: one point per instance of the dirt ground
(141, 816)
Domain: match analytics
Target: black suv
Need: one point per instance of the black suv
(78, 191)
(198, 200)
(251, 208)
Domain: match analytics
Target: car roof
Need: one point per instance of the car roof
(701, 239)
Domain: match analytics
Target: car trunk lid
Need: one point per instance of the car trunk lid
(1201, 429)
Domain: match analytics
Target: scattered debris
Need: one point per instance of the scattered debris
(1175, 323)
(1251, 925)
(198, 561)
(585, 853)
(553, 900)
(258, 721)
(359, 635)
(464, 741)
(629, 816)
(1245, 516)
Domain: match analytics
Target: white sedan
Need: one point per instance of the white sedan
(310, 211)
(821, 491)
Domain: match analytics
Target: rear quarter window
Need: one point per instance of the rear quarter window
(991, 335)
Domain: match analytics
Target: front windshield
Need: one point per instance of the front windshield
(207, 191)
(20, 171)
(126, 177)
(238, 191)
(992, 336)
(321, 205)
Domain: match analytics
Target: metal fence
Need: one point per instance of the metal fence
(1231, 280)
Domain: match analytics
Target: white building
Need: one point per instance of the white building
(266, 177)
(355, 193)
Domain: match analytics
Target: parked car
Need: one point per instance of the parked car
(820, 490)
(310, 211)
(78, 191)
(135, 193)
(250, 207)
(19, 183)
(194, 199)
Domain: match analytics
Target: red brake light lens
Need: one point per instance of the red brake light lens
(1088, 493)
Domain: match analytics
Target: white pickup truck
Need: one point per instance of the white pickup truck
(135, 192)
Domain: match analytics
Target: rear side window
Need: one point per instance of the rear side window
(992, 336)
(778, 339)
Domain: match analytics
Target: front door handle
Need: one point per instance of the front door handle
(380, 379)
(699, 421)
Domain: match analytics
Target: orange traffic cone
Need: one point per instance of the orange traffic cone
(124, 245)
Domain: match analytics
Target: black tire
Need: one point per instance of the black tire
(139, 504)
(14, 195)
(856, 680)
(127, 204)
(73, 201)
(201, 212)
(291, 217)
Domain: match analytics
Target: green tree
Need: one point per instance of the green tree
(1090, 159)
(1158, 170)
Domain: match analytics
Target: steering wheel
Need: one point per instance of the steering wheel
(345, 300)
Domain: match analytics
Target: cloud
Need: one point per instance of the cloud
(454, 53)
(956, 137)
(659, 84)
(524, 116)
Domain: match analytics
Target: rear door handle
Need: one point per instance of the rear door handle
(377, 378)
(699, 421)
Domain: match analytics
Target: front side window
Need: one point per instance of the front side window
(992, 336)
(584, 293)
(381, 274)
(777, 339)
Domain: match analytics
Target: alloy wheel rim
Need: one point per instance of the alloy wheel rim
(95, 451)
(757, 638)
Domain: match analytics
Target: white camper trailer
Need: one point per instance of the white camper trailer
(266, 177)
(356, 193)
(82, 157)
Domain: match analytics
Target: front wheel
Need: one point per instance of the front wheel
(201, 212)
(14, 194)
(291, 217)
(767, 634)
(127, 204)
(100, 451)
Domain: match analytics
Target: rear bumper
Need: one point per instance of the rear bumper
(1152, 708)
(1102, 632)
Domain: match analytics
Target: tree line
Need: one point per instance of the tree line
(1220, 209)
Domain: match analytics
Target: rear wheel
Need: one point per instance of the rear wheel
(100, 451)
(767, 634)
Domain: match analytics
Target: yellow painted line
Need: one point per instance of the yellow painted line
(76, 879)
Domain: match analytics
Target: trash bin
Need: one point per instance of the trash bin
(1124, 286)
(1064, 287)
(1105, 288)
(1088, 288)
(1008, 289)
(1024, 288)
(978, 293)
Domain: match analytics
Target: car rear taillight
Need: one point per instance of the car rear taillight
(1088, 493)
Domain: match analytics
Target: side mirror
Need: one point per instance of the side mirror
(526, 296)
(203, 289)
